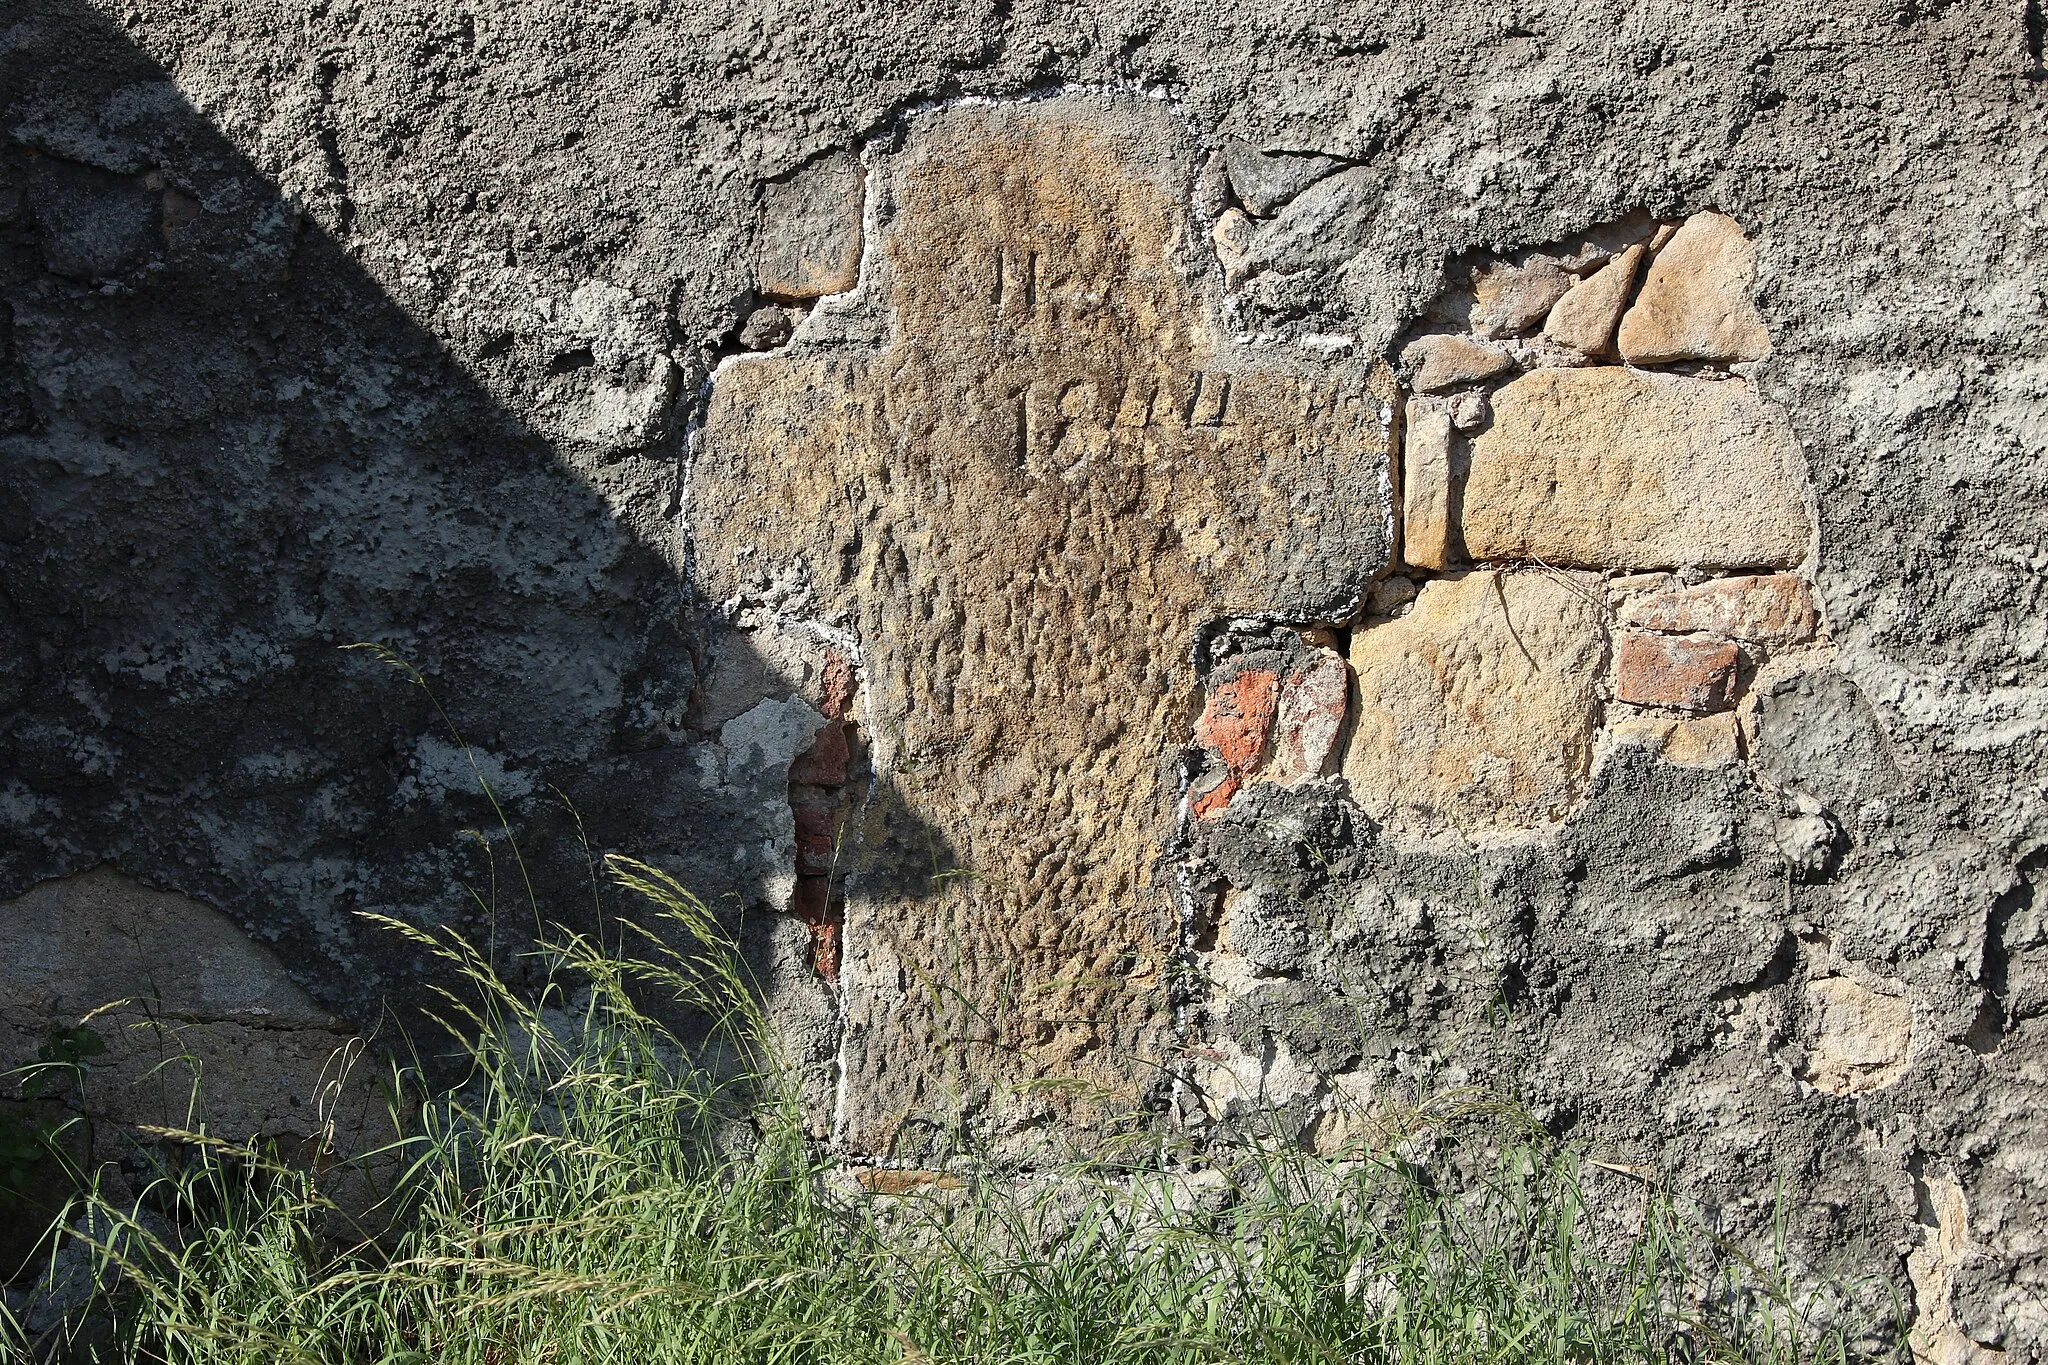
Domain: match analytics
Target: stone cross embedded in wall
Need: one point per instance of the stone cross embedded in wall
(1026, 498)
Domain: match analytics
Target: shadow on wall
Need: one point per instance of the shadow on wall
(225, 454)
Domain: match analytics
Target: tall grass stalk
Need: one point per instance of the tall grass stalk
(610, 1185)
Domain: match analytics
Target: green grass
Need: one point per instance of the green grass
(594, 1193)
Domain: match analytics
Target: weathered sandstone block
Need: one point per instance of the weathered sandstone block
(1611, 467)
(1696, 301)
(1426, 529)
(156, 976)
(1024, 502)
(1766, 608)
(1686, 741)
(1511, 300)
(1479, 707)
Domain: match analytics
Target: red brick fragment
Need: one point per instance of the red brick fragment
(825, 949)
(1311, 714)
(812, 902)
(840, 685)
(1237, 726)
(1676, 671)
(817, 828)
(824, 763)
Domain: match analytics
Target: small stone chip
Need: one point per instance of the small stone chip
(1232, 236)
(1857, 1039)
(1585, 318)
(1443, 361)
(1264, 181)
(811, 231)
(1470, 410)
(1513, 300)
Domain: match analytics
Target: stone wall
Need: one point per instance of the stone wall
(1161, 565)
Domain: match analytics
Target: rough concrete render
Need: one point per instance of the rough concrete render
(1160, 564)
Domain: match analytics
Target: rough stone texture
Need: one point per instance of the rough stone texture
(1585, 318)
(1264, 181)
(1110, 473)
(1935, 1267)
(1617, 468)
(1427, 527)
(1857, 1038)
(1311, 716)
(1684, 741)
(1479, 707)
(417, 359)
(1695, 303)
(811, 231)
(1510, 300)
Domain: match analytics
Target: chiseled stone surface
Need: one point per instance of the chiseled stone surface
(1024, 503)
(1478, 709)
(1616, 468)
(1696, 303)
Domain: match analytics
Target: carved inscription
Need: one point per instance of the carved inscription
(1026, 503)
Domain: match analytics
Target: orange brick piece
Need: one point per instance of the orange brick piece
(1676, 671)
(1236, 726)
